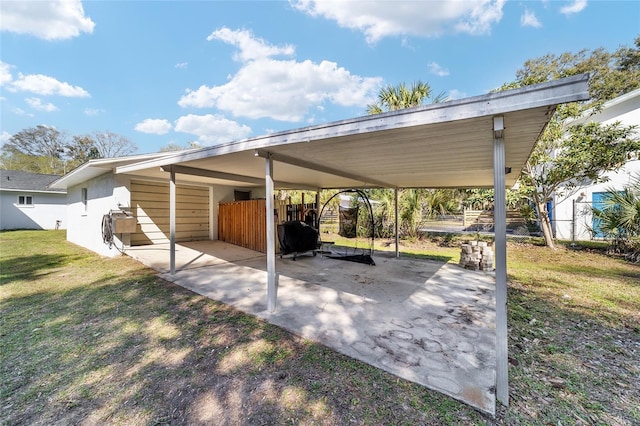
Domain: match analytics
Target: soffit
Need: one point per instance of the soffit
(440, 145)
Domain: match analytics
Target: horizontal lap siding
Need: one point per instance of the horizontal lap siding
(150, 204)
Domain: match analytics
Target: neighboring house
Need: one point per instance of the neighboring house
(571, 214)
(26, 201)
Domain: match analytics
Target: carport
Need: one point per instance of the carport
(482, 141)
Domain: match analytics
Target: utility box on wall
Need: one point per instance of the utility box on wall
(122, 222)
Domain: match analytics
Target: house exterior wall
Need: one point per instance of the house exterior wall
(150, 202)
(104, 193)
(110, 192)
(47, 208)
(564, 209)
(565, 221)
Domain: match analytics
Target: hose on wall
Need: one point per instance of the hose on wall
(107, 233)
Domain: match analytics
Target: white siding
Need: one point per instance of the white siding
(47, 208)
(104, 193)
(150, 205)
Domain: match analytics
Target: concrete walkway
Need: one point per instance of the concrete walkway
(426, 321)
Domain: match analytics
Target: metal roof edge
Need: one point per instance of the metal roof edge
(101, 163)
(61, 191)
(550, 93)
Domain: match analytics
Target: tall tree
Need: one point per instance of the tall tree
(45, 149)
(562, 163)
(37, 149)
(565, 159)
(80, 150)
(111, 145)
(611, 74)
(171, 146)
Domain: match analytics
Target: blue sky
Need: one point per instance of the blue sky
(161, 72)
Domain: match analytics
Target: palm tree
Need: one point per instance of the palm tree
(619, 218)
(410, 211)
(440, 202)
(393, 98)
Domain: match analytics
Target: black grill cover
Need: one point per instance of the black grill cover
(297, 237)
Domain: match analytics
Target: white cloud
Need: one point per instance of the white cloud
(49, 20)
(20, 111)
(5, 136)
(211, 129)
(250, 47)
(182, 65)
(154, 125)
(436, 69)
(92, 112)
(529, 19)
(5, 73)
(575, 7)
(45, 85)
(36, 103)
(283, 90)
(456, 94)
(379, 19)
(484, 14)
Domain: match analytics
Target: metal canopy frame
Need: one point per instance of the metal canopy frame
(288, 149)
(572, 89)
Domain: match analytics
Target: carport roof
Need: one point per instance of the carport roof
(448, 144)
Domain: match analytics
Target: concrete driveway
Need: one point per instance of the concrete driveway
(426, 321)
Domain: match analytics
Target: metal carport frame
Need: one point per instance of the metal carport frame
(462, 143)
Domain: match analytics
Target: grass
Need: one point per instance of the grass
(87, 339)
(574, 344)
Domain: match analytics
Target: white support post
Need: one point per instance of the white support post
(500, 220)
(272, 290)
(317, 222)
(172, 222)
(212, 222)
(395, 207)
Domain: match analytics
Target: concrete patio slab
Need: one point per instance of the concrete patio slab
(426, 321)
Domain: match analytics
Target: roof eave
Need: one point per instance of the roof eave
(104, 165)
(551, 93)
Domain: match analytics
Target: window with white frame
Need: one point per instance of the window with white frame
(25, 200)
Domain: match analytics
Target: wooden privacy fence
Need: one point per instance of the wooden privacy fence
(244, 223)
(483, 219)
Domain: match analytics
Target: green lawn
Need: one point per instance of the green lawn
(85, 339)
